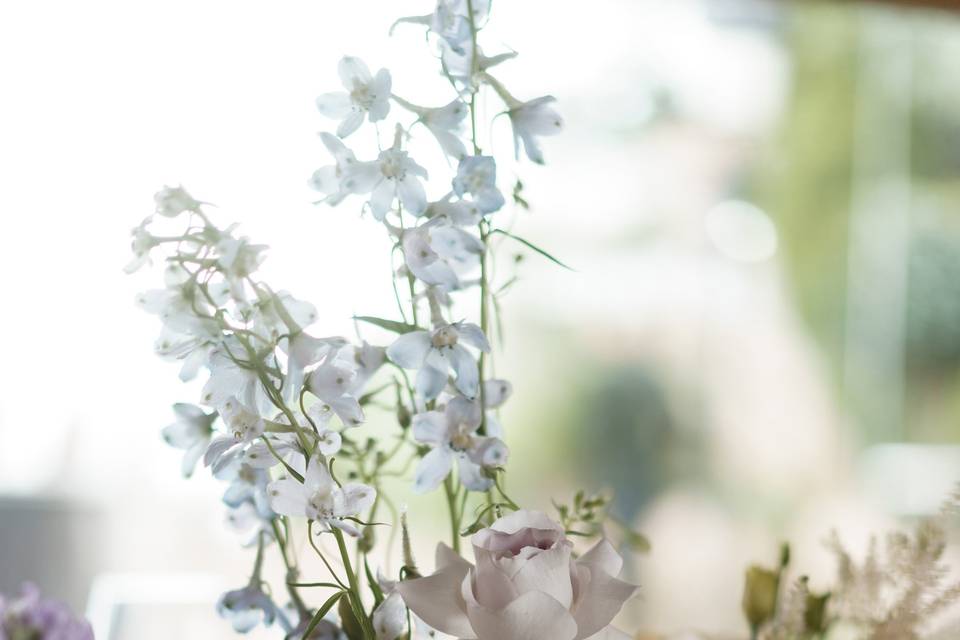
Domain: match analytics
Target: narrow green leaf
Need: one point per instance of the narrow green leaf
(389, 325)
(530, 245)
(321, 612)
(374, 585)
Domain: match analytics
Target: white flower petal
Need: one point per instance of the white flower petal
(430, 382)
(412, 195)
(350, 123)
(533, 616)
(335, 104)
(431, 471)
(353, 71)
(287, 497)
(410, 350)
(466, 369)
(430, 428)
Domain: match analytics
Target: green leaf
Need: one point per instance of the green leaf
(348, 620)
(374, 585)
(389, 325)
(530, 245)
(321, 612)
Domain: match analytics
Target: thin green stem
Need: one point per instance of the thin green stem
(354, 593)
(451, 494)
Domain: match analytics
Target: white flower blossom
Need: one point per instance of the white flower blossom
(444, 123)
(434, 353)
(438, 253)
(318, 497)
(452, 434)
(172, 201)
(532, 119)
(246, 608)
(331, 383)
(393, 175)
(191, 432)
(477, 176)
(365, 95)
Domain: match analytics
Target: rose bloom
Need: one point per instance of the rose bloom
(525, 586)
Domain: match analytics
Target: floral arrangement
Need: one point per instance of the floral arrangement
(280, 417)
(30, 617)
(281, 414)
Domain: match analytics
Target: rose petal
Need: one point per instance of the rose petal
(437, 600)
(533, 616)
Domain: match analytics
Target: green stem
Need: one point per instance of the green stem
(454, 516)
(354, 595)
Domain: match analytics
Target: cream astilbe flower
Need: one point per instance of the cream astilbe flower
(525, 585)
(319, 498)
(434, 353)
(365, 96)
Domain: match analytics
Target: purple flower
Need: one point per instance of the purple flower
(32, 617)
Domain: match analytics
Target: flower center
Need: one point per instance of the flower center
(444, 337)
(392, 165)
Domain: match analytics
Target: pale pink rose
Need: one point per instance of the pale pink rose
(525, 586)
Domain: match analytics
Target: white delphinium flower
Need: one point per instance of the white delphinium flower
(393, 175)
(365, 95)
(244, 426)
(444, 123)
(461, 213)
(450, 20)
(434, 353)
(180, 306)
(248, 523)
(141, 243)
(495, 394)
(331, 383)
(530, 119)
(172, 201)
(247, 607)
(346, 176)
(438, 253)
(477, 176)
(191, 432)
(229, 380)
(303, 351)
(390, 618)
(318, 497)
(274, 315)
(459, 65)
(238, 259)
(451, 434)
(399, 179)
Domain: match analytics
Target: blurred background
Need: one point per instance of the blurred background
(760, 340)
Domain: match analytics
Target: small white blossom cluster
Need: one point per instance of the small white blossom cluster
(280, 403)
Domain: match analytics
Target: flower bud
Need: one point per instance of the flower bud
(814, 616)
(760, 595)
